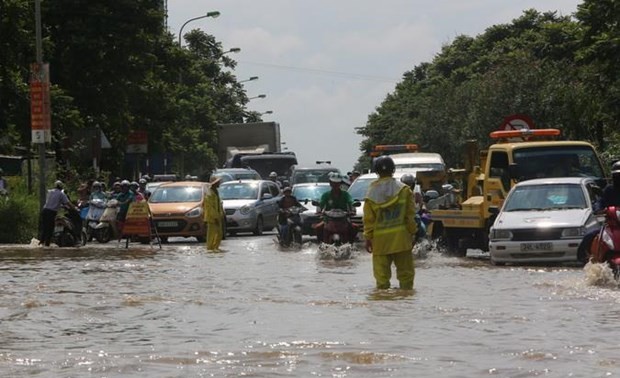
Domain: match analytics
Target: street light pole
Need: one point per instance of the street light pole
(252, 78)
(213, 14)
(259, 96)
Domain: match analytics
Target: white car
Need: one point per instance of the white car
(250, 205)
(543, 220)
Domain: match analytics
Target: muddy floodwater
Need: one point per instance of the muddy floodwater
(257, 311)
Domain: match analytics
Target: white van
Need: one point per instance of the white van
(412, 162)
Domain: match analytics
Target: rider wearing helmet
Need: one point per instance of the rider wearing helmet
(336, 198)
(389, 226)
(124, 198)
(134, 188)
(273, 176)
(610, 197)
(142, 188)
(96, 192)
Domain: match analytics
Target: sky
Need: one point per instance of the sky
(326, 65)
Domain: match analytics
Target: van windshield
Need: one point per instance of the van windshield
(421, 166)
(313, 175)
(265, 165)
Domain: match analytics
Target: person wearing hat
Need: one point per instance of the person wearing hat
(56, 198)
(213, 215)
(389, 226)
(336, 198)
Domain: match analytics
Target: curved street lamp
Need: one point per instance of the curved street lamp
(252, 78)
(213, 14)
(259, 96)
(267, 112)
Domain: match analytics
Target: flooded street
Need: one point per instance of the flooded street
(257, 311)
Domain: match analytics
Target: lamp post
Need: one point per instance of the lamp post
(259, 96)
(213, 14)
(267, 112)
(252, 78)
(232, 50)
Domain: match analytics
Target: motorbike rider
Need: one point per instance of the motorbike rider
(287, 201)
(273, 176)
(609, 197)
(134, 187)
(56, 198)
(410, 180)
(142, 188)
(389, 226)
(336, 198)
(96, 192)
(124, 198)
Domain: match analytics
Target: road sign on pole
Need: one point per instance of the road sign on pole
(40, 120)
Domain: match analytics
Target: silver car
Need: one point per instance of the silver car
(250, 205)
(543, 220)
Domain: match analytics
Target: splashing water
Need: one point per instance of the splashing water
(599, 275)
(334, 252)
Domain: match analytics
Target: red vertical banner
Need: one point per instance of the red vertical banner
(40, 114)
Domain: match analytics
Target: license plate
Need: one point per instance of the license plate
(58, 229)
(167, 224)
(525, 247)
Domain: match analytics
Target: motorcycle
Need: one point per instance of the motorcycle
(105, 227)
(68, 230)
(96, 209)
(291, 232)
(605, 247)
(337, 227)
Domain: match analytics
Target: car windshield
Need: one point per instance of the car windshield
(240, 190)
(557, 161)
(311, 192)
(358, 189)
(176, 194)
(546, 197)
(313, 175)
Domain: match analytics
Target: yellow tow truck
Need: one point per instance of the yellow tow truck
(489, 175)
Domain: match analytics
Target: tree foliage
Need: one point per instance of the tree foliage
(114, 66)
(558, 70)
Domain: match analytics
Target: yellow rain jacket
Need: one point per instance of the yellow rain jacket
(389, 216)
(212, 207)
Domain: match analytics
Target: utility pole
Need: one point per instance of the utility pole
(39, 103)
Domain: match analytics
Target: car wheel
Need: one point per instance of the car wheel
(201, 239)
(259, 226)
(497, 263)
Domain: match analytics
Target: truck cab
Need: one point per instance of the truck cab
(517, 155)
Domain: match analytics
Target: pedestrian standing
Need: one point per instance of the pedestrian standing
(213, 215)
(389, 226)
(55, 199)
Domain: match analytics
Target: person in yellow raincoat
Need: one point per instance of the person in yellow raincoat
(213, 215)
(389, 224)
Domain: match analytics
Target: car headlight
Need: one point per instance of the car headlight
(574, 232)
(195, 212)
(499, 234)
(245, 210)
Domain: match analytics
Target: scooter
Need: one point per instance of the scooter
(68, 230)
(105, 228)
(291, 232)
(96, 209)
(605, 247)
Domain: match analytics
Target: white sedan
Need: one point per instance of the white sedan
(543, 220)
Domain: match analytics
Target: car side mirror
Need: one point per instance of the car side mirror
(494, 210)
(315, 203)
(267, 196)
(357, 204)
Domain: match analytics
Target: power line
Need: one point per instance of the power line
(326, 72)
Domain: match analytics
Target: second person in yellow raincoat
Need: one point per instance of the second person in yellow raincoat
(213, 215)
(389, 224)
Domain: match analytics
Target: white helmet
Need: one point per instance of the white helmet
(273, 174)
